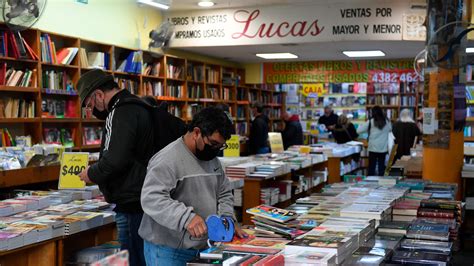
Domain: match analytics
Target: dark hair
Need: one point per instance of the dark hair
(150, 100)
(258, 106)
(210, 120)
(379, 117)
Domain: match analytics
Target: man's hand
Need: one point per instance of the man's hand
(197, 227)
(239, 232)
(84, 176)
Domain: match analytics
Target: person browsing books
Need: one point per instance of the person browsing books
(344, 131)
(258, 139)
(124, 154)
(378, 127)
(329, 119)
(184, 184)
(406, 133)
(292, 134)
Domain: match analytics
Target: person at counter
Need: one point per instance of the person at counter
(329, 119)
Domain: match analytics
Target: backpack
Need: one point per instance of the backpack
(166, 127)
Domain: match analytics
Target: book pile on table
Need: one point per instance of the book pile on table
(240, 170)
(407, 208)
(35, 216)
(273, 222)
(269, 196)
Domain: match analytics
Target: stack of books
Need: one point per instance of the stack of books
(269, 196)
(240, 170)
(271, 222)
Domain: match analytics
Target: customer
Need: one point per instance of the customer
(258, 139)
(124, 154)
(185, 183)
(329, 119)
(406, 133)
(344, 131)
(293, 132)
(378, 128)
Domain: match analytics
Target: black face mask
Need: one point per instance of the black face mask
(101, 115)
(208, 153)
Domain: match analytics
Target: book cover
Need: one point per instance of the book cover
(272, 213)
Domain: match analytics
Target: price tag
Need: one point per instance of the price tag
(233, 147)
(276, 142)
(72, 164)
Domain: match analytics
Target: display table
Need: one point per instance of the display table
(253, 186)
(57, 250)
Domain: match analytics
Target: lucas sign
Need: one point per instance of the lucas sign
(290, 24)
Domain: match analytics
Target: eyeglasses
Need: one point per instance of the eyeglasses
(217, 146)
(89, 105)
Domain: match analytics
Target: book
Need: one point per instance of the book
(340, 245)
(428, 231)
(407, 257)
(272, 213)
(243, 251)
(393, 227)
(385, 241)
(303, 257)
(214, 252)
(427, 245)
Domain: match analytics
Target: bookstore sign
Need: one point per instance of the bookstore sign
(296, 24)
(380, 71)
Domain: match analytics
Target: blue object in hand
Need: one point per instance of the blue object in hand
(220, 229)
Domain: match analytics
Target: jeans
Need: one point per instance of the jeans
(377, 159)
(157, 255)
(127, 227)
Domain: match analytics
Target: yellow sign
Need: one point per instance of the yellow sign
(305, 149)
(314, 88)
(276, 142)
(233, 147)
(72, 164)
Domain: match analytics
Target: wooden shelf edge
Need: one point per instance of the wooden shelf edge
(19, 120)
(19, 89)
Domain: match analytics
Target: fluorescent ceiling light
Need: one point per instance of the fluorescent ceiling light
(374, 53)
(153, 4)
(470, 50)
(277, 56)
(206, 4)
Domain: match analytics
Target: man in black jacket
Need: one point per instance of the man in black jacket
(293, 132)
(258, 139)
(124, 154)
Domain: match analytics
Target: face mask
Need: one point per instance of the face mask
(208, 153)
(101, 115)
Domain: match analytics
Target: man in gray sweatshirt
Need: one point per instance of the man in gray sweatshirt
(184, 184)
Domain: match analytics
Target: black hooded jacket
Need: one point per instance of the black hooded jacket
(258, 133)
(127, 145)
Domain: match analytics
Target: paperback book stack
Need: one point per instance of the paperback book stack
(340, 244)
(269, 196)
(240, 170)
(271, 222)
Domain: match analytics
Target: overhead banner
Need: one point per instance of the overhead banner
(380, 71)
(387, 21)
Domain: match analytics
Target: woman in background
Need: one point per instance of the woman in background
(344, 131)
(406, 133)
(378, 127)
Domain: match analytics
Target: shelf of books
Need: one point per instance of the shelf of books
(40, 104)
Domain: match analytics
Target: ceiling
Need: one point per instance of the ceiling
(305, 51)
(192, 4)
(311, 51)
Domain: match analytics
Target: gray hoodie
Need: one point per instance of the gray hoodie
(177, 187)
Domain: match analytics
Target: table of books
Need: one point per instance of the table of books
(373, 220)
(47, 227)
